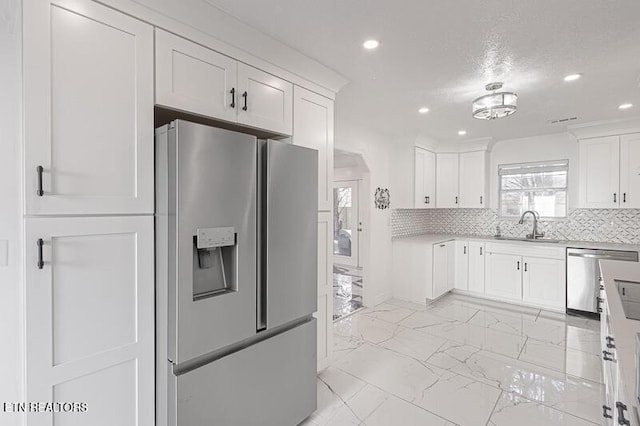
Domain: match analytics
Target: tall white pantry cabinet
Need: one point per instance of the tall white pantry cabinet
(89, 96)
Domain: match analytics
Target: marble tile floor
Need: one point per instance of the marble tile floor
(461, 361)
(347, 290)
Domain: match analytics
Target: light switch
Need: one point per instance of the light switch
(4, 253)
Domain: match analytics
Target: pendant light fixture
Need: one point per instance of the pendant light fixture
(496, 104)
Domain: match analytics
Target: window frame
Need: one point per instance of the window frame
(550, 165)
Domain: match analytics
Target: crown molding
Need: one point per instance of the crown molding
(598, 129)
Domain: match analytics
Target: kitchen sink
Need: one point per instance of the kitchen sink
(528, 240)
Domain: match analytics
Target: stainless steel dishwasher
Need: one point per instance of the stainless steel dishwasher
(583, 276)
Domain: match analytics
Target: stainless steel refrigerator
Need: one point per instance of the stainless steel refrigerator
(236, 271)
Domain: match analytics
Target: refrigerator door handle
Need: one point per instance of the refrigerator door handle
(261, 255)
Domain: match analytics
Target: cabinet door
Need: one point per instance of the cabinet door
(425, 179)
(461, 257)
(473, 179)
(90, 318)
(600, 172)
(265, 101)
(544, 282)
(440, 270)
(325, 289)
(313, 128)
(447, 180)
(476, 267)
(195, 79)
(630, 171)
(88, 110)
(503, 277)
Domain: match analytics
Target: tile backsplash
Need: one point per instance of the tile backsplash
(609, 225)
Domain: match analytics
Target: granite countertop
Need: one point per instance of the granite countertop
(624, 329)
(438, 238)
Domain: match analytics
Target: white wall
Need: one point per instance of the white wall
(557, 146)
(376, 245)
(10, 207)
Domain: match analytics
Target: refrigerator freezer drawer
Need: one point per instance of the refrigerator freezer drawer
(271, 383)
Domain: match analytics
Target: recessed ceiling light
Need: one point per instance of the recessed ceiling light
(371, 44)
(462, 132)
(625, 106)
(423, 110)
(572, 77)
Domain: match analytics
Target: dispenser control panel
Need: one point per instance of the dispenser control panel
(215, 237)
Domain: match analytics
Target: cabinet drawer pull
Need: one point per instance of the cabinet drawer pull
(233, 97)
(518, 265)
(245, 95)
(607, 356)
(621, 409)
(615, 197)
(605, 412)
(40, 243)
(426, 200)
(610, 343)
(525, 266)
(39, 170)
(624, 197)
(456, 200)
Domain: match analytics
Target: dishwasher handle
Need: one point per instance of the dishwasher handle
(601, 256)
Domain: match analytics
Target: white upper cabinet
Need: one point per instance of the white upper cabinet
(630, 170)
(476, 267)
(600, 172)
(447, 180)
(193, 78)
(425, 179)
(313, 128)
(265, 101)
(88, 110)
(473, 189)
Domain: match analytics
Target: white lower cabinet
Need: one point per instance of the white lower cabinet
(461, 259)
(90, 318)
(503, 276)
(543, 282)
(443, 268)
(476, 267)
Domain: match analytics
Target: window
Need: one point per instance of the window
(541, 187)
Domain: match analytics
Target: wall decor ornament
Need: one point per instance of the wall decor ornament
(382, 198)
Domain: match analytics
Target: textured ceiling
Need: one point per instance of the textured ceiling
(440, 54)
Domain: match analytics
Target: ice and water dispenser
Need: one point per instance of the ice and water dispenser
(214, 262)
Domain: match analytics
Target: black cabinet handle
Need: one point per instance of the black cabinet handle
(525, 266)
(599, 301)
(481, 199)
(480, 251)
(233, 97)
(605, 412)
(245, 96)
(426, 200)
(621, 409)
(615, 197)
(607, 356)
(610, 343)
(518, 265)
(40, 243)
(624, 197)
(465, 250)
(456, 200)
(39, 170)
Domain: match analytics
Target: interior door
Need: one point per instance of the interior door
(347, 225)
(90, 319)
(88, 110)
(291, 252)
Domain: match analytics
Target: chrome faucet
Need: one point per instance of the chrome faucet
(534, 233)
